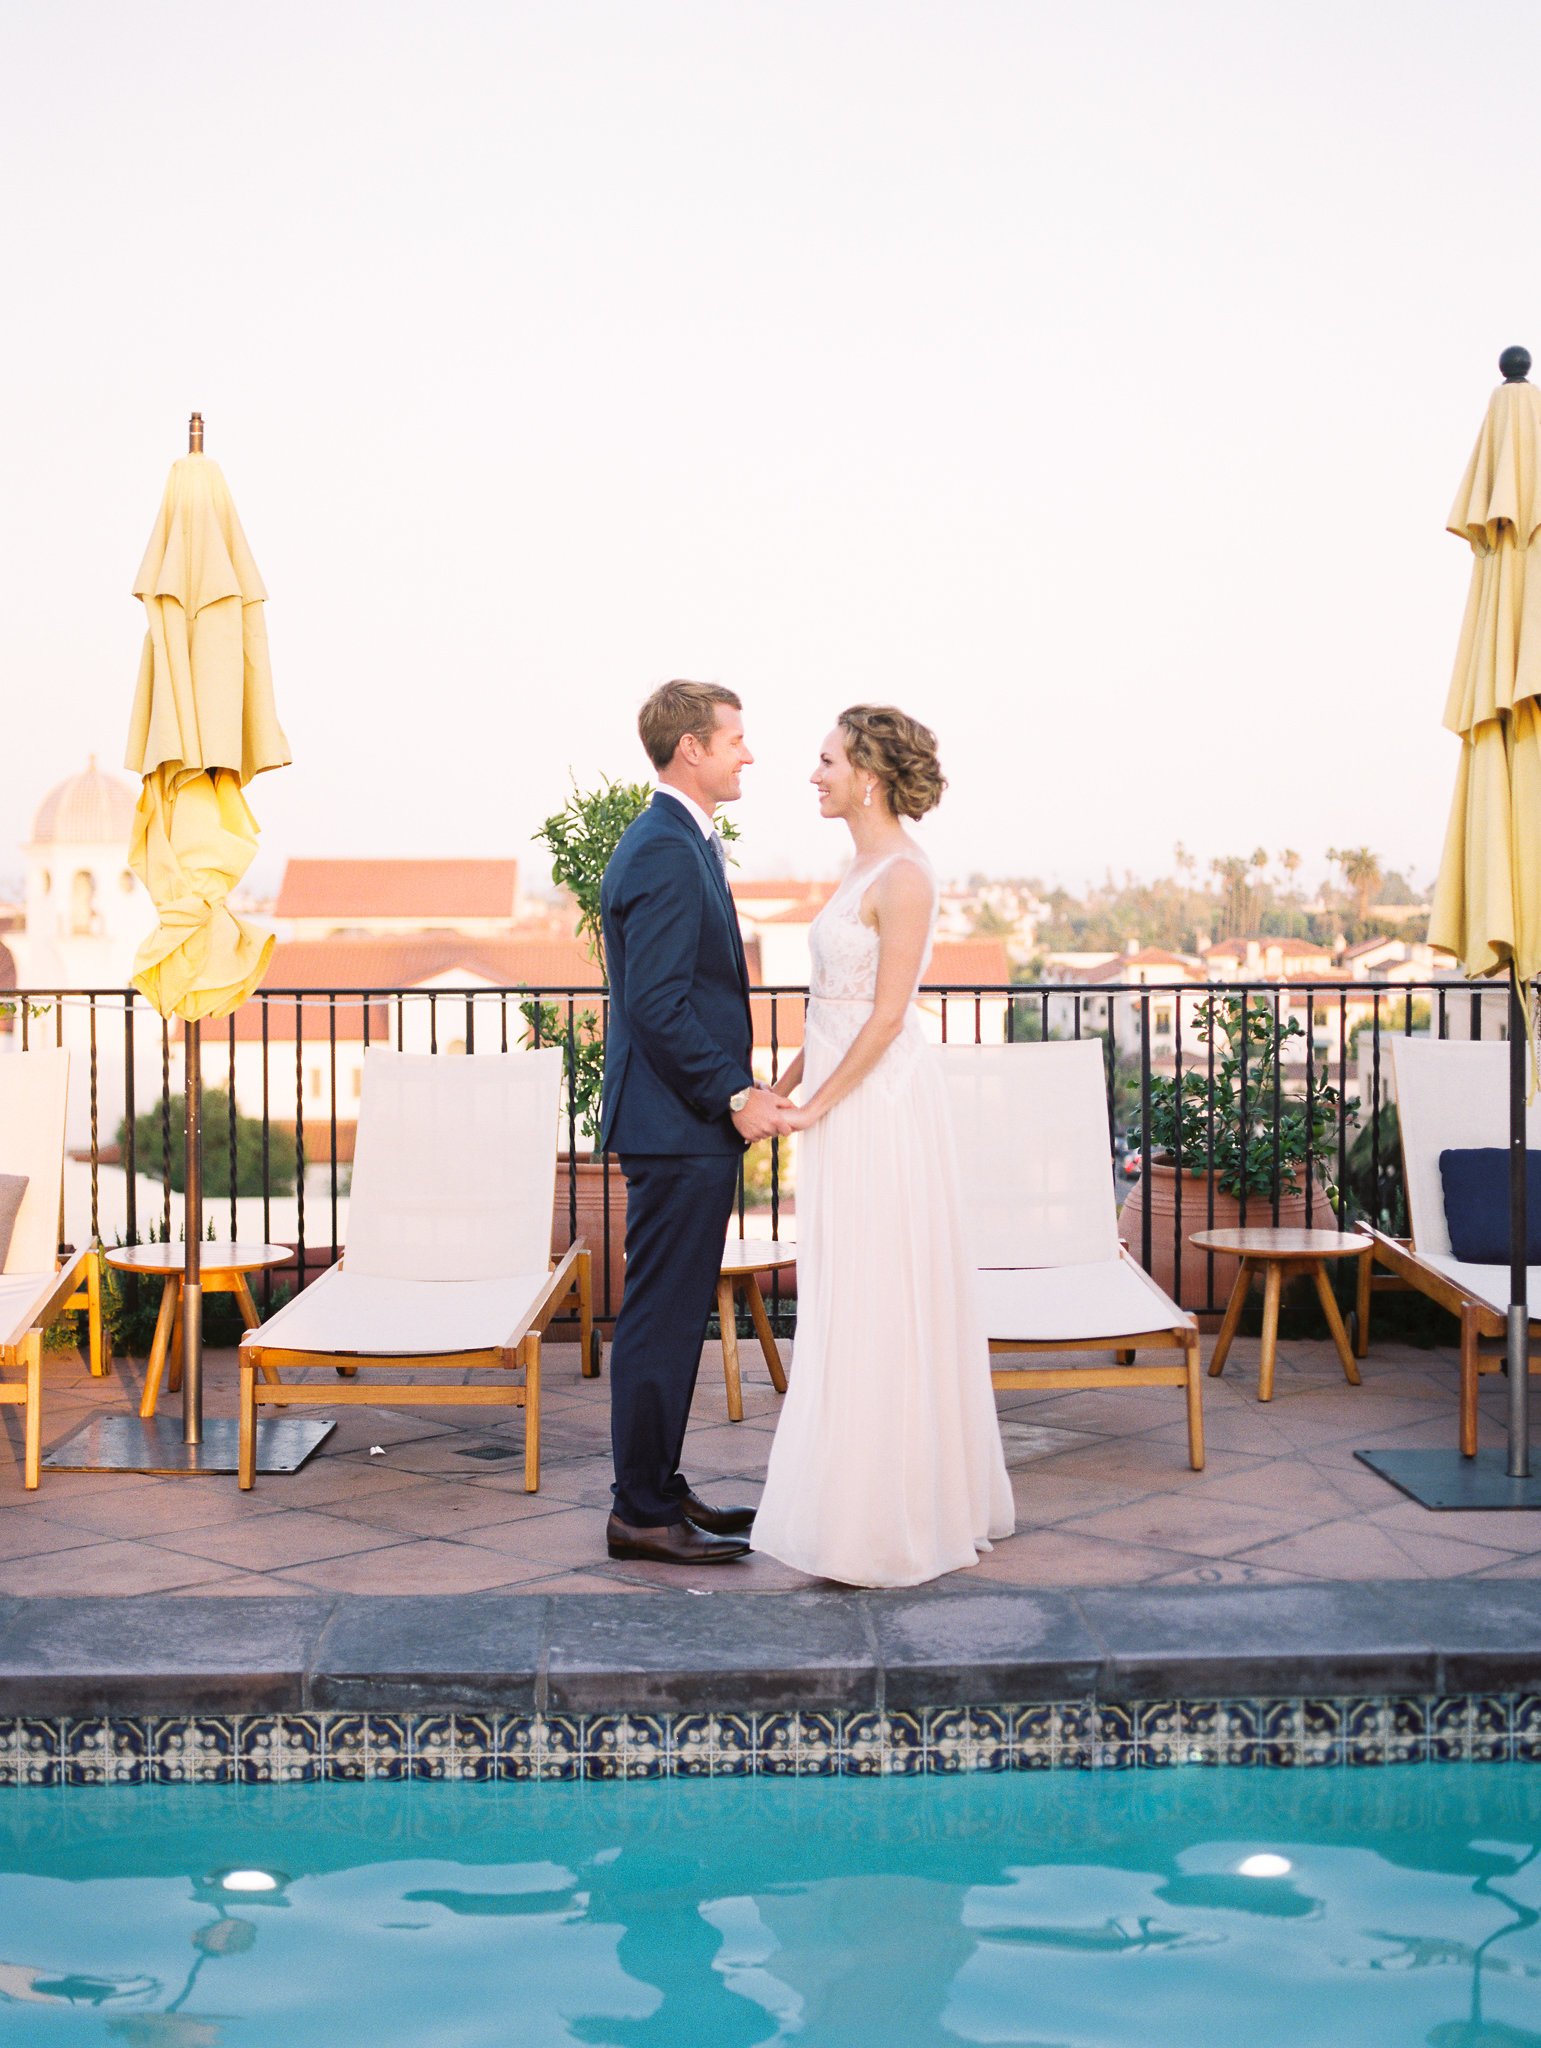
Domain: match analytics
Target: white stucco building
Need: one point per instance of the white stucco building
(85, 911)
(85, 916)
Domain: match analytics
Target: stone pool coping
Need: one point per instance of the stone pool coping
(844, 1652)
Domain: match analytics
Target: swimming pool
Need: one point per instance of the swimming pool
(1283, 1908)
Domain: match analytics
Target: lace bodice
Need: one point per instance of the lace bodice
(844, 950)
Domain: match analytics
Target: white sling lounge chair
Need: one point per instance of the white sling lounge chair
(35, 1284)
(448, 1264)
(1037, 1170)
(1453, 1094)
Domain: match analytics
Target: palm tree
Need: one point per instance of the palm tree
(1362, 872)
(1230, 871)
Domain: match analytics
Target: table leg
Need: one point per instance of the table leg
(766, 1335)
(99, 1336)
(1329, 1302)
(1470, 1354)
(32, 1414)
(240, 1288)
(250, 1319)
(1362, 1306)
(159, 1344)
(589, 1359)
(1233, 1309)
(727, 1317)
(174, 1376)
(1273, 1285)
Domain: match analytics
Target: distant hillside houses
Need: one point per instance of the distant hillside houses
(1341, 989)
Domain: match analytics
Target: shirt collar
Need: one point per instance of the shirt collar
(708, 829)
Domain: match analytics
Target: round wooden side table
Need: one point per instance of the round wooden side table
(742, 1259)
(1279, 1255)
(224, 1266)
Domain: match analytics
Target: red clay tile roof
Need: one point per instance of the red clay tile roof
(1296, 948)
(803, 911)
(426, 889)
(789, 1011)
(973, 962)
(770, 892)
(1148, 956)
(537, 959)
(541, 960)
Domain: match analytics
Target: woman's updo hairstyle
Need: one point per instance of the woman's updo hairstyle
(899, 751)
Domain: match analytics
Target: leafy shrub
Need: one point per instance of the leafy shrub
(150, 1137)
(1236, 1117)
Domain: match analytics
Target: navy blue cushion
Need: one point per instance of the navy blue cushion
(1477, 1205)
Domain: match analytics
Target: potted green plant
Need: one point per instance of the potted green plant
(1214, 1147)
(580, 838)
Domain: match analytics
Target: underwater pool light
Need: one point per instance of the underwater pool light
(248, 1881)
(1264, 1865)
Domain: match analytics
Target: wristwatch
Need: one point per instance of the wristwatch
(737, 1100)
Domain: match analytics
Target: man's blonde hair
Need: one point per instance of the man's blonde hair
(677, 708)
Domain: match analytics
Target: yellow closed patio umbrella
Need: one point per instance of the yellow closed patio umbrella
(203, 725)
(1487, 901)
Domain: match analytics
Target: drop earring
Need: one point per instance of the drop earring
(867, 799)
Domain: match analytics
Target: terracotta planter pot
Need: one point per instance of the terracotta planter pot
(601, 1187)
(1166, 1229)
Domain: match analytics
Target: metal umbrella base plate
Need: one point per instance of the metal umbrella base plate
(131, 1443)
(1444, 1479)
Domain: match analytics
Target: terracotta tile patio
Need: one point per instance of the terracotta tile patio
(1104, 1496)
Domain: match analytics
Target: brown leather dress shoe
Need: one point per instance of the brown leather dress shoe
(674, 1543)
(720, 1521)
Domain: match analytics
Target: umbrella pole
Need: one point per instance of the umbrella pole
(192, 1267)
(1518, 1333)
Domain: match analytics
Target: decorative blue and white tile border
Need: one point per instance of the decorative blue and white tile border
(269, 1749)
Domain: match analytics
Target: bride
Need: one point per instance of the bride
(886, 1469)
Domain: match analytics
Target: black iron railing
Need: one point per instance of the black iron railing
(1306, 1068)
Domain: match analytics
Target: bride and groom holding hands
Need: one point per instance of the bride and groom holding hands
(886, 1468)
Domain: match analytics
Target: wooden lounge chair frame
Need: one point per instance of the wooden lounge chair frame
(1077, 1094)
(1172, 1330)
(571, 1278)
(454, 1175)
(64, 1281)
(22, 1349)
(1483, 1326)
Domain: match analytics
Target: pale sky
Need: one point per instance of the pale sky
(1092, 382)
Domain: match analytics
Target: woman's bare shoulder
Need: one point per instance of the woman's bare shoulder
(909, 879)
(906, 888)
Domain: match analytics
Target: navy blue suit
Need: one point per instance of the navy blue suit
(678, 1040)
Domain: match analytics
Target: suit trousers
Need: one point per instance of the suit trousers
(677, 1211)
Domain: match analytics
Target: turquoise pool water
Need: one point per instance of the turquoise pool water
(1076, 1909)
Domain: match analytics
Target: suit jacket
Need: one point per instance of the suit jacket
(678, 1036)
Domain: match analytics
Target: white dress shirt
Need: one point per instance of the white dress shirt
(708, 829)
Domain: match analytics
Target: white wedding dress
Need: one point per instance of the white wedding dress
(886, 1469)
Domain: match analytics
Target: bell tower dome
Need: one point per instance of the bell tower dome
(86, 911)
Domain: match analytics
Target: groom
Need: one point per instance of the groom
(680, 1105)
